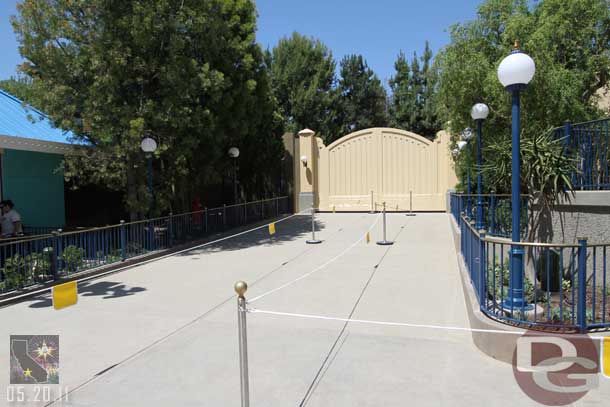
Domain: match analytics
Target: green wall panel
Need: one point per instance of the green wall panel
(32, 181)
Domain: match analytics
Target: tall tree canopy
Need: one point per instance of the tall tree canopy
(19, 86)
(188, 73)
(413, 88)
(361, 97)
(568, 40)
(303, 76)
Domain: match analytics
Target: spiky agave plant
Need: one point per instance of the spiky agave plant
(547, 166)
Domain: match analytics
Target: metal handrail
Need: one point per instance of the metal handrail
(488, 195)
(101, 228)
(581, 123)
(470, 223)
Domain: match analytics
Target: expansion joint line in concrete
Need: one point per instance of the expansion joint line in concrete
(131, 266)
(329, 356)
(196, 319)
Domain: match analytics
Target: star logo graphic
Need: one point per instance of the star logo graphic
(27, 373)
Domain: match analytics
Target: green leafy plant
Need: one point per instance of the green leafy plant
(73, 258)
(15, 272)
(134, 248)
(546, 174)
(502, 281)
(561, 315)
(111, 257)
(40, 264)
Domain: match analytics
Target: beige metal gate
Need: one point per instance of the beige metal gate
(390, 163)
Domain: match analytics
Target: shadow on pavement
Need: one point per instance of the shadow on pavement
(289, 230)
(107, 289)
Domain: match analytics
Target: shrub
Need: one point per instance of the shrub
(15, 272)
(73, 258)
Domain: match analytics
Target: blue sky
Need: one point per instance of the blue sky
(377, 29)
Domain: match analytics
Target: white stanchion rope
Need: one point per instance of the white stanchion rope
(343, 253)
(390, 323)
(144, 262)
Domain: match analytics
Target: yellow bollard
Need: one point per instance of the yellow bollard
(272, 229)
(333, 208)
(368, 237)
(64, 295)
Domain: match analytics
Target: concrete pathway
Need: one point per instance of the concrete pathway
(164, 334)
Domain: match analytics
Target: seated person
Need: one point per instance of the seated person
(10, 220)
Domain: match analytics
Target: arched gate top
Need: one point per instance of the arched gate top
(380, 131)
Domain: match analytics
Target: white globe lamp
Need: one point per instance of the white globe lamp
(480, 111)
(148, 145)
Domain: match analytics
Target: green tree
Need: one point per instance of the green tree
(361, 96)
(568, 40)
(413, 94)
(188, 73)
(303, 75)
(19, 86)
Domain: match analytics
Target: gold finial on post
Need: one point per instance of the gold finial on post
(240, 288)
(516, 44)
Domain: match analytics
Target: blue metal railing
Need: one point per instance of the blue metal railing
(589, 144)
(497, 212)
(28, 261)
(40, 230)
(567, 284)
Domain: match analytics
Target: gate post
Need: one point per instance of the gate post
(307, 170)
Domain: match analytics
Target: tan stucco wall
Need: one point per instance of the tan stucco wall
(389, 162)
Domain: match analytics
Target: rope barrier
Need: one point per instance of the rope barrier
(84, 279)
(390, 323)
(337, 257)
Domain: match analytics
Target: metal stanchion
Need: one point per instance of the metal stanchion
(384, 242)
(241, 288)
(372, 204)
(313, 239)
(410, 204)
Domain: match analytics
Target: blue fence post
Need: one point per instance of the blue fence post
(60, 250)
(469, 244)
(123, 241)
(170, 229)
(568, 133)
(54, 257)
(205, 211)
(582, 284)
(492, 213)
(151, 235)
(224, 216)
(482, 270)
